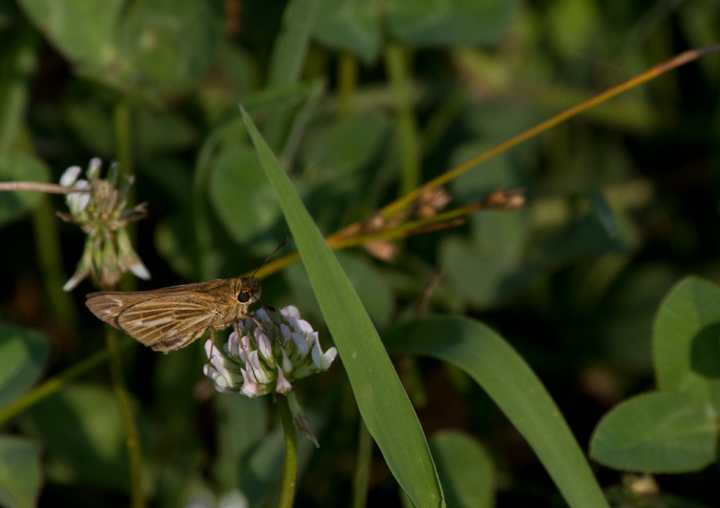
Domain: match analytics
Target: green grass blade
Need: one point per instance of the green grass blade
(514, 387)
(382, 401)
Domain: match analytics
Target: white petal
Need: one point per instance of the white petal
(249, 388)
(285, 329)
(77, 202)
(283, 385)
(208, 348)
(265, 348)
(69, 176)
(139, 270)
(301, 345)
(287, 365)
(290, 311)
(305, 326)
(94, 169)
(323, 361)
(75, 279)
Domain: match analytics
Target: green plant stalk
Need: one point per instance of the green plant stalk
(132, 441)
(15, 82)
(122, 120)
(47, 240)
(347, 83)
(362, 466)
(287, 61)
(407, 130)
(289, 479)
(57, 383)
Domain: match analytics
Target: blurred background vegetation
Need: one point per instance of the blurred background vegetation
(362, 101)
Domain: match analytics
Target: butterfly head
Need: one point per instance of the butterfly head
(248, 290)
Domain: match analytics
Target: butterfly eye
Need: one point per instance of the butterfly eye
(243, 297)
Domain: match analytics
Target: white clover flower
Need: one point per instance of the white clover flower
(103, 215)
(257, 361)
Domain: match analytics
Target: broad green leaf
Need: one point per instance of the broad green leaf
(465, 468)
(382, 401)
(241, 195)
(656, 433)
(291, 45)
(685, 342)
(172, 44)
(514, 387)
(350, 25)
(19, 472)
(80, 428)
(16, 167)
(82, 30)
(163, 132)
(448, 22)
(346, 146)
(23, 356)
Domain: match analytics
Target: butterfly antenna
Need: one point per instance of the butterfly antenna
(283, 244)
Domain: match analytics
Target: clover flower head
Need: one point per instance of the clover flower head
(265, 355)
(101, 212)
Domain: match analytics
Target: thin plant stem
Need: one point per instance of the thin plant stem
(289, 479)
(347, 83)
(132, 441)
(362, 466)
(56, 383)
(47, 241)
(407, 130)
(410, 197)
(47, 188)
(122, 119)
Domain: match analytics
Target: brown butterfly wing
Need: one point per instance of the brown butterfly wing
(167, 323)
(108, 305)
(160, 319)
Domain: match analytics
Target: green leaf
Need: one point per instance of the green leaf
(382, 401)
(465, 468)
(685, 342)
(16, 167)
(172, 44)
(291, 45)
(19, 472)
(448, 22)
(82, 30)
(514, 387)
(23, 356)
(350, 25)
(346, 146)
(656, 433)
(80, 428)
(163, 132)
(241, 195)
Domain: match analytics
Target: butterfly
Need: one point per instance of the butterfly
(171, 318)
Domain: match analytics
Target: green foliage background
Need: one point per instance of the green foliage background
(362, 101)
